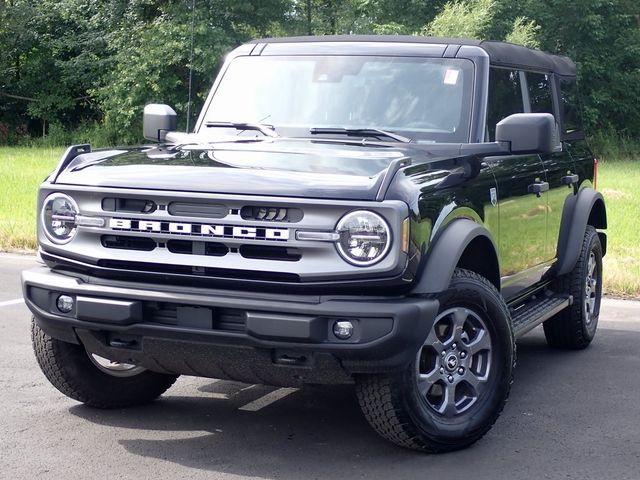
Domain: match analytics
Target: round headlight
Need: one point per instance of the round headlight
(58, 217)
(365, 238)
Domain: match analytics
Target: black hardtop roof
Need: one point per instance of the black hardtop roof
(500, 53)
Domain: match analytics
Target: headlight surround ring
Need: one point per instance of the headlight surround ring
(63, 229)
(354, 228)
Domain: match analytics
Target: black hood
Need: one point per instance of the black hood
(290, 168)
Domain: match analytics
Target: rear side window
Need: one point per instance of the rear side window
(570, 111)
(505, 97)
(539, 88)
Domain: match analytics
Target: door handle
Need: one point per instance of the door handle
(569, 179)
(538, 188)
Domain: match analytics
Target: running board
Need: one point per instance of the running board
(531, 314)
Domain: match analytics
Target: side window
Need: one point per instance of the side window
(570, 111)
(539, 87)
(505, 97)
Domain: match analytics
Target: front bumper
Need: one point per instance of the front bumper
(247, 336)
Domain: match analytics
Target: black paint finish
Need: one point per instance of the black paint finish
(518, 202)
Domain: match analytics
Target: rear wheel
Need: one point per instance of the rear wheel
(455, 389)
(575, 326)
(94, 380)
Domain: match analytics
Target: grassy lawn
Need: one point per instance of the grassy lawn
(619, 183)
(22, 169)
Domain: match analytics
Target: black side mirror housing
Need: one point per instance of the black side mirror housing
(157, 121)
(528, 133)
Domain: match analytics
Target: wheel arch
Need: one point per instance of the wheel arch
(464, 243)
(586, 208)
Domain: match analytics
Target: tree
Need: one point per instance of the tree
(603, 37)
(151, 54)
(75, 62)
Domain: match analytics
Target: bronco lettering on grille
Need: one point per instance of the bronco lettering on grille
(199, 229)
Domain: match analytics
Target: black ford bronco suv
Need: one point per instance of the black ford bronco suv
(392, 212)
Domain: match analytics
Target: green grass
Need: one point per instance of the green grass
(22, 170)
(619, 183)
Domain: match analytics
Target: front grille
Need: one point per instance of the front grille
(267, 252)
(212, 249)
(129, 205)
(128, 243)
(215, 238)
(271, 214)
(205, 210)
(201, 230)
(185, 247)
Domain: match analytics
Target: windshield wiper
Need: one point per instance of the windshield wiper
(263, 128)
(361, 132)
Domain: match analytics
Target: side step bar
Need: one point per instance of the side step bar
(531, 314)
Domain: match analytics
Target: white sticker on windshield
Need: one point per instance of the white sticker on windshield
(451, 77)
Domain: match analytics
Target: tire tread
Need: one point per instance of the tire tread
(68, 368)
(565, 330)
(382, 405)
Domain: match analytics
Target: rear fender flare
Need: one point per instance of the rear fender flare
(585, 208)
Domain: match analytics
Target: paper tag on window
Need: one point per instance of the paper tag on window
(451, 77)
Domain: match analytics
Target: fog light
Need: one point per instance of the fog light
(65, 303)
(343, 329)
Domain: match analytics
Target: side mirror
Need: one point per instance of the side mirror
(157, 120)
(528, 132)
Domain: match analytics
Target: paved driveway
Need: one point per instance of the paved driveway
(571, 415)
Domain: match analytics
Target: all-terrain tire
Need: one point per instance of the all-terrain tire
(575, 326)
(393, 404)
(69, 369)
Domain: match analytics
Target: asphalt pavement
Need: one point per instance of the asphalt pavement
(571, 415)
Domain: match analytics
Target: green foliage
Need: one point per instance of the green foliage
(611, 146)
(151, 56)
(603, 38)
(391, 28)
(524, 32)
(58, 135)
(479, 19)
(89, 66)
(463, 19)
(399, 17)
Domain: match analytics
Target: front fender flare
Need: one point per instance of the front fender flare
(445, 252)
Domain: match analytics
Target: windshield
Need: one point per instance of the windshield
(425, 99)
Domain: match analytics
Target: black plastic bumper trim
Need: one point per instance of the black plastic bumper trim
(119, 312)
(379, 346)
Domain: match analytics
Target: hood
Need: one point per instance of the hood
(276, 168)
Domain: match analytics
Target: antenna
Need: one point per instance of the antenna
(193, 23)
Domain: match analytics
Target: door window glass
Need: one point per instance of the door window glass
(539, 87)
(505, 97)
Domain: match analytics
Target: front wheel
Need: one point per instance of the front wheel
(92, 379)
(456, 387)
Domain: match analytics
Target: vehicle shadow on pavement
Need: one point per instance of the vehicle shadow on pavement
(319, 432)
